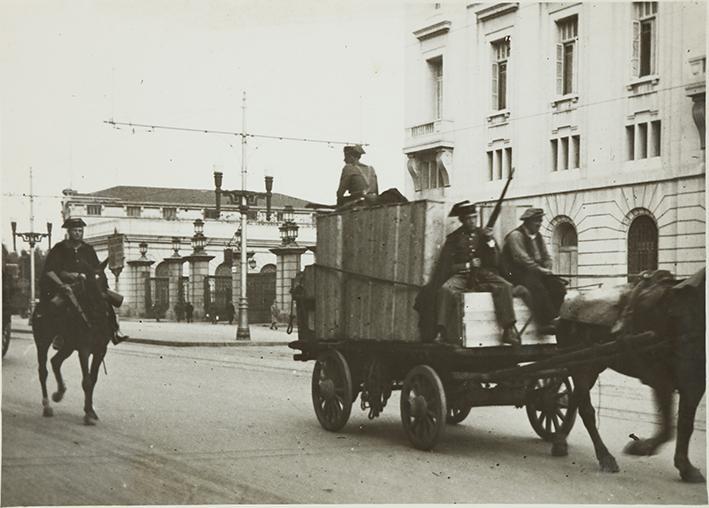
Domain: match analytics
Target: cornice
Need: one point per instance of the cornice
(434, 30)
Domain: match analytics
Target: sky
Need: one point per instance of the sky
(325, 70)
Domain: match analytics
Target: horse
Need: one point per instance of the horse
(674, 311)
(85, 328)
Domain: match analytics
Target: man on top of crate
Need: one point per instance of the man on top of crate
(527, 263)
(358, 179)
(468, 262)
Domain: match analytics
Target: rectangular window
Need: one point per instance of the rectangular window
(565, 60)
(554, 148)
(436, 68)
(644, 39)
(508, 162)
(133, 211)
(93, 209)
(501, 54)
(169, 213)
(498, 164)
(564, 153)
(576, 152)
(655, 128)
(642, 140)
(490, 169)
(630, 141)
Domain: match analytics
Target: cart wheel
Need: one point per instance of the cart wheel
(332, 390)
(457, 415)
(548, 406)
(423, 407)
(6, 332)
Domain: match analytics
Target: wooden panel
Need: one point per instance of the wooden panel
(480, 328)
(328, 302)
(329, 240)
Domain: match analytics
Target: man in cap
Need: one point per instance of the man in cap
(468, 262)
(527, 262)
(357, 179)
(69, 260)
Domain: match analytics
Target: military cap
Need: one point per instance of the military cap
(355, 148)
(462, 208)
(531, 213)
(75, 222)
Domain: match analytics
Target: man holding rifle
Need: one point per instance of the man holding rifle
(528, 264)
(68, 261)
(468, 262)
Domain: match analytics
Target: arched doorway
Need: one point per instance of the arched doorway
(565, 250)
(642, 245)
(157, 292)
(217, 291)
(269, 268)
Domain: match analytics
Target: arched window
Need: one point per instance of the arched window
(642, 245)
(269, 268)
(565, 245)
(162, 270)
(223, 270)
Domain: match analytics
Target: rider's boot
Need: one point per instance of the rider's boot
(118, 337)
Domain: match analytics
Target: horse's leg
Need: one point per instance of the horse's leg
(93, 375)
(662, 391)
(689, 398)
(42, 345)
(87, 385)
(56, 362)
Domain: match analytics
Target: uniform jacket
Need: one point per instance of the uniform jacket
(64, 258)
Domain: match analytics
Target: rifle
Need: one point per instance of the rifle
(71, 297)
(498, 206)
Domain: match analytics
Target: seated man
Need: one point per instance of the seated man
(357, 179)
(468, 262)
(528, 264)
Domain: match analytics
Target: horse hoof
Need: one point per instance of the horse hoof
(559, 450)
(48, 411)
(692, 475)
(58, 395)
(88, 420)
(91, 414)
(609, 465)
(641, 447)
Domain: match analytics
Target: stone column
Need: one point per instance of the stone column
(287, 266)
(199, 269)
(135, 294)
(174, 266)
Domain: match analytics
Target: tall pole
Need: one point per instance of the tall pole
(32, 296)
(242, 331)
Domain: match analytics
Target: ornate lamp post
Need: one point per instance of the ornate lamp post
(288, 258)
(33, 239)
(241, 196)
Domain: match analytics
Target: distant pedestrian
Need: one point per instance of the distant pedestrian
(189, 310)
(179, 311)
(230, 311)
(275, 311)
(156, 312)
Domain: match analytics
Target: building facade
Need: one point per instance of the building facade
(175, 250)
(597, 108)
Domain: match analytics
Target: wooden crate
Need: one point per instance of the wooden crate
(480, 326)
(328, 303)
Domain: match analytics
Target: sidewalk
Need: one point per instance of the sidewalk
(202, 334)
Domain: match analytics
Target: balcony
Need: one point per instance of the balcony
(429, 135)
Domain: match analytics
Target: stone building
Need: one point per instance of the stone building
(598, 108)
(175, 251)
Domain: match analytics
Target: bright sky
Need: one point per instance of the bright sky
(325, 70)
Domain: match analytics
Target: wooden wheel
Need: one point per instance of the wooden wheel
(457, 415)
(423, 407)
(332, 390)
(548, 406)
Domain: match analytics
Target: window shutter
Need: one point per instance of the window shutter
(653, 47)
(575, 68)
(559, 69)
(494, 86)
(635, 59)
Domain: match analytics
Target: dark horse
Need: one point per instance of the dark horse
(85, 328)
(668, 308)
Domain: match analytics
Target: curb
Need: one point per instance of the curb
(175, 343)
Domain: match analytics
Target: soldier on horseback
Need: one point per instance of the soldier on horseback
(68, 262)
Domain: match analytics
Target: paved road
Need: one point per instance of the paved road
(236, 425)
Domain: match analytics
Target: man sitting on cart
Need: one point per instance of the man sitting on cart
(468, 262)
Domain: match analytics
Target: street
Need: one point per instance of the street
(209, 425)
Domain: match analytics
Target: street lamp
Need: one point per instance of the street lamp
(198, 239)
(143, 248)
(240, 196)
(175, 247)
(289, 229)
(32, 238)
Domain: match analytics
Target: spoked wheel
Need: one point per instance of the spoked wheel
(332, 390)
(6, 332)
(423, 407)
(548, 406)
(457, 415)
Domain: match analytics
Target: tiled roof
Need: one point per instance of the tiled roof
(163, 195)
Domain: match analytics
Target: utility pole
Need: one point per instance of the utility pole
(242, 331)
